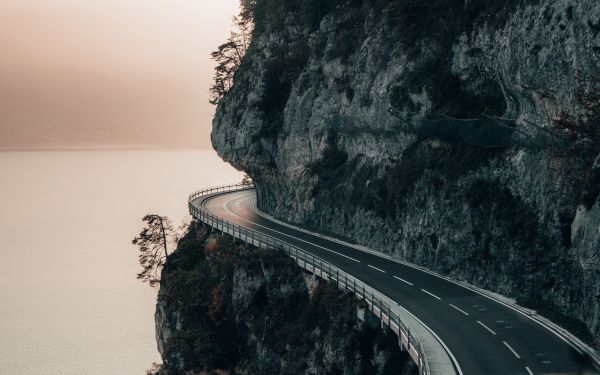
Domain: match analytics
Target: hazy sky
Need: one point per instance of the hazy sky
(106, 71)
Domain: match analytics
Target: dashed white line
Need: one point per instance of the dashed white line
(296, 238)
(459, 309)
(404, 281)
(431, 294)
(511, 349)
(375, 268)
(575, 344)
(425, 291)
(486, 327)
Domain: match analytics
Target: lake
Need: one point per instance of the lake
(69, 299)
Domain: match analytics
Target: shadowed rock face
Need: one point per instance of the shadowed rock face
(459, 137)
(230, 309)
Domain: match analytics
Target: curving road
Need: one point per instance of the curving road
(485, 336)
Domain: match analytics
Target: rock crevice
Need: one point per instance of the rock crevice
(226, 308)
(457, 136)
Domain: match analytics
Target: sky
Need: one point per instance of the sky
(109, 72)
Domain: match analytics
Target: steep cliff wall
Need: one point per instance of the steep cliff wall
(460, 135)
(225, 309)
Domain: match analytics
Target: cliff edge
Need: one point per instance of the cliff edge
(463, 136)
(226, 308)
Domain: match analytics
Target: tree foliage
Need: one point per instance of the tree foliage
(229, 55)
(278, 329)
(246, 179)
(153, 243)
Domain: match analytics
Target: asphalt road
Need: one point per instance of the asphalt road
(485, 336)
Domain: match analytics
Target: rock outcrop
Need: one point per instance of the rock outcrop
(227, 309)
(463, 136)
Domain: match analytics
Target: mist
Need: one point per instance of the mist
(108, 73)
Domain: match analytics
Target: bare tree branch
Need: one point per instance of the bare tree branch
(229, 55)
(153, 244)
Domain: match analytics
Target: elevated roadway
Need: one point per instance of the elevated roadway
(482, 334)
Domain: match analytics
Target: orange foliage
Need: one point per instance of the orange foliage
(215, 310)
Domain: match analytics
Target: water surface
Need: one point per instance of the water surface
(69, 300)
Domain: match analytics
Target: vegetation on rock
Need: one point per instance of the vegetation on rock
(227, 308)
(153, 243)
(466, 136)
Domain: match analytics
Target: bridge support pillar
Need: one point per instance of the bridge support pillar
(403, 339)
(365, 315)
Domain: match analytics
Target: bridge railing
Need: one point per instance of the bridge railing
(381, 306)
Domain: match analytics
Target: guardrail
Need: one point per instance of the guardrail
(381, 306)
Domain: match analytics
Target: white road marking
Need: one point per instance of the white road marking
(508, 346)
(511, 349)
(486, 327)
(404, 281)
(459, 309)
(452, 357)
(375, 268)
(572, 343)
(528, 370)
(499, 321)
(508, 327)
(431, 294)
(296, 238)
(546, 362)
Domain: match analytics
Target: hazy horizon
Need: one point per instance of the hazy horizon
(71, 303)
(126, 73)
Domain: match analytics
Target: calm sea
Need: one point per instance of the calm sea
(69, 299)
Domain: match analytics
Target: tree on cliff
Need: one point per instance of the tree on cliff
(246, 179)
(229, 55)
(153, 243)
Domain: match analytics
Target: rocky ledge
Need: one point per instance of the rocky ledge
(224, 308)
(463, 136)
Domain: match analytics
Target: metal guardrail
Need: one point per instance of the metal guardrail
(380, 305)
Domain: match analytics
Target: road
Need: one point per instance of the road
(485, 336)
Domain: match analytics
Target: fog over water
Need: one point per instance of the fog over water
(70, 302)
(83, 75)
(90, 72)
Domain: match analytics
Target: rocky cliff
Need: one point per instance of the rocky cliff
(459, 135)
(227, 309)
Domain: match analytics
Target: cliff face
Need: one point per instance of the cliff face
(459, 135)
(223, 308)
